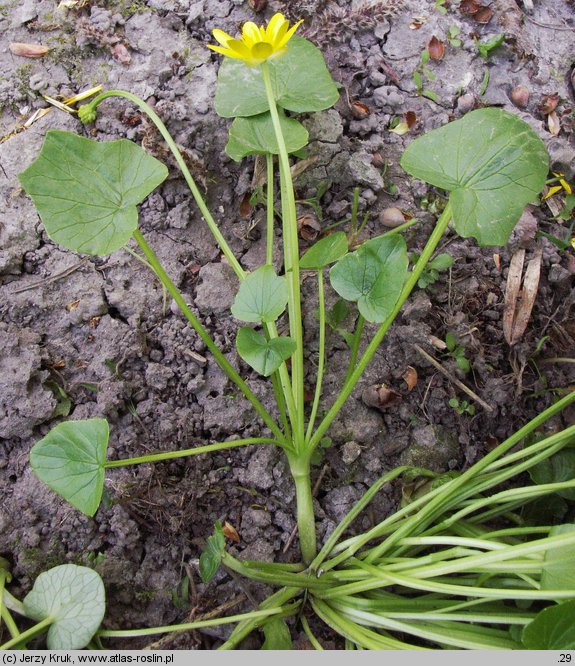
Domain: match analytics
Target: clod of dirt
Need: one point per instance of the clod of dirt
(432, 447)
(24, 402)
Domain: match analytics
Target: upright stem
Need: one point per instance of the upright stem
(321, 356)
(373, 346)
(355, 346)
(291, 261)
(221, 360)
(301, 472)
(270, 210)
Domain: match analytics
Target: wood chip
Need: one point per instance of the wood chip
(230, 532)
(519, 300)
(28, 50)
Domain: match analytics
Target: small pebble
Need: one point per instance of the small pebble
(520, 96)
(391, 217)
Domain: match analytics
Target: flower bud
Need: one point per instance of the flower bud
(87, 113)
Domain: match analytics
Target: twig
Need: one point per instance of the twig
(453, 379)
(52, 278)
(314, 493)
(550, 26)
(557, 359)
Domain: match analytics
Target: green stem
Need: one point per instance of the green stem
(270, 210)
(221, 360)
(276, 600)
(225, 248)
(291, 262)
(27, 635)
(277, 577)
(9, 622)
(300, 470)
(355, 347)
(373, 346)
(321, 356)
(190, 626)
(196, 451)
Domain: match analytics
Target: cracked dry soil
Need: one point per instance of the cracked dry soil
(93, 336)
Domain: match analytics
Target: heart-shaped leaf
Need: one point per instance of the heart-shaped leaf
(74, 599)
(262, 296)
(373, 276)
(70, 459)
(552, 629)
(325, 251)
(256, 135)
(493, 164)
(264, 356)
(300, 79)
(86, 192)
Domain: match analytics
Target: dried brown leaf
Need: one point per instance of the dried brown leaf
(308, 227)
(436, 48)
(469, 6)
(548, 104)
(230, 532)
(28, 50)
(410, 118)
(245, 205)
(483, 15)
(380, 396)
(410, 377)
(359, 110)
(121, 54)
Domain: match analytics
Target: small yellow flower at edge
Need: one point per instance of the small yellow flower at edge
(256, 45)
(563, 185)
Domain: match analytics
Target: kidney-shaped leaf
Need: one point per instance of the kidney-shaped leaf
(73, 598)
(300, 79)
(256, 135)
(493, 164)
(325, 251)
(264, 356)
(262, 296)
(86, 192)
(373, 276)
(70, 459)
(552, 629)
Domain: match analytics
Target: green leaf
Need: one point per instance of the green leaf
(300, 80)
(325, 252)
(73, 597)
(262, 296)
(256, 134)
(86, 192)
(558, 570)
(552, 629)
(277, 635)
(211, 558)
(373, 276)
(493, 164)
(441, 263)
(264, 356)
(557, 468)
(70, 460)
(489, 45)
(337, 314)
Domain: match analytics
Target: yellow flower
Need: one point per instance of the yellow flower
(256, 44)
(563, 185)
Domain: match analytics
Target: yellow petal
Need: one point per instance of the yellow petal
(289, 34)
(222, 37)
(566, 186)
(277, 27)
(223, 51)
(552, 190)
(251, 34)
